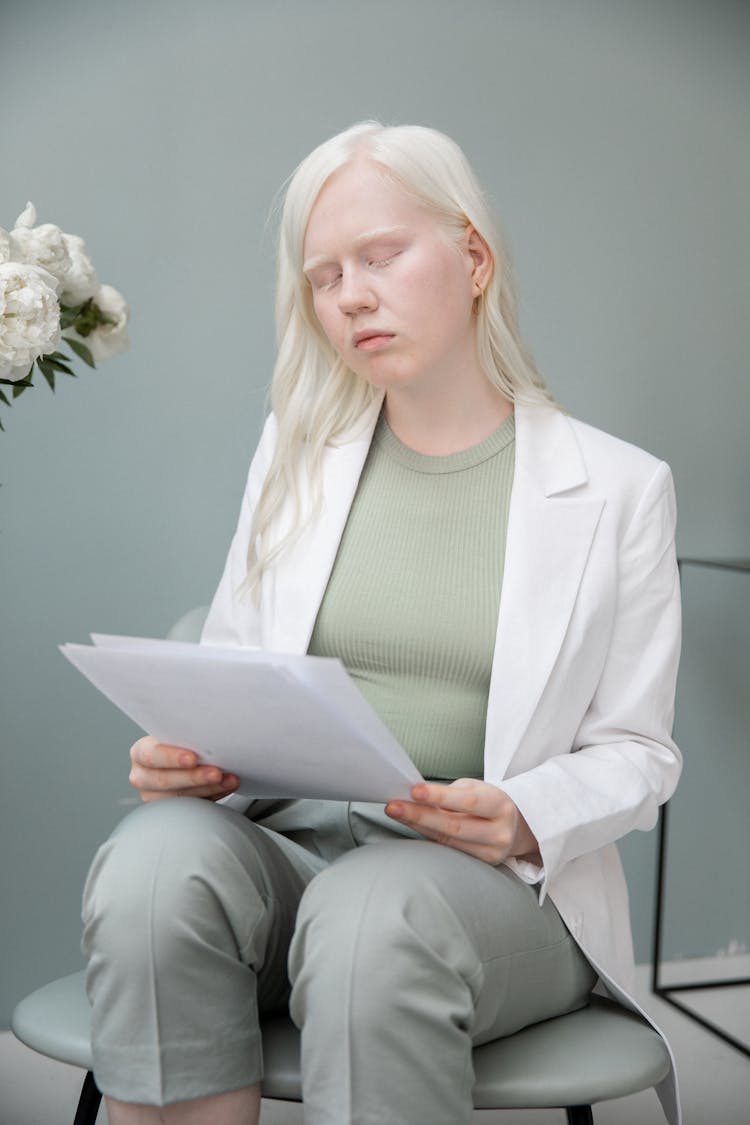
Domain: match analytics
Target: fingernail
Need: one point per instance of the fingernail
(395, 809)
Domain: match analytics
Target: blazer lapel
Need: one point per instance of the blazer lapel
(301, 575)
(552, 522)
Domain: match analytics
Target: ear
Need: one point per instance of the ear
(482, 262)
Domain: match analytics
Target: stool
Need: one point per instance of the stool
(600, 1052)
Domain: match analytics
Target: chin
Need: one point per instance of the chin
(385, 380)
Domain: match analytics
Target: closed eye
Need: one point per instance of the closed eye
(323, 285)
(384, 261)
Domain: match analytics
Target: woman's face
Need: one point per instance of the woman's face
(391, 288)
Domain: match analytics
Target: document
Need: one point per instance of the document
(286, 725)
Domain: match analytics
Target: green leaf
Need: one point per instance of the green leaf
(4, 398)
(74, 309)
(81, 350)
(25, 382)
(20, 388)
(58, 366)
(48, 371)
(88, 318)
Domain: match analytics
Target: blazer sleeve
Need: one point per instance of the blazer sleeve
(233, 618)
(623, 763)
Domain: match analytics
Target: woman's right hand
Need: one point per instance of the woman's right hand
(159, 771)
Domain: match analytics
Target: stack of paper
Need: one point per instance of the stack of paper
(288, 726)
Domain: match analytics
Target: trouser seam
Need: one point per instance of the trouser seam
(531, 952)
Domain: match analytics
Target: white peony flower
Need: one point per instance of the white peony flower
(43, 246)
(29, 318)
(27, 218)
(107, 339)
(81, 281)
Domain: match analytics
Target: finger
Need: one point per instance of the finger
(215, 792)
(169, 780)
(206, 792)
(488, 853)
(428, 818)
(473, 836)
(159, 755)
(439, 823)
(465, 795)
(446, 826)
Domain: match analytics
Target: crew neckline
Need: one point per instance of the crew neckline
(489, 447)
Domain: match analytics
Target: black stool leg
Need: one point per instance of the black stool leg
(579, 1115)
(88, 1103)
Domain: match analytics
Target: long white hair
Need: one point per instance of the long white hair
(314, 395)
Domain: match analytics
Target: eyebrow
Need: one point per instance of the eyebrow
(360, 240)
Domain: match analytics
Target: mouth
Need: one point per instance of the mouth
(370, 341)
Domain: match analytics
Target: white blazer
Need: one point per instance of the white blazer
(581, 698)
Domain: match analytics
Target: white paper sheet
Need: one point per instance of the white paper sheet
(287, 725)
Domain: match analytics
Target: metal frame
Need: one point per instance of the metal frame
(664, 991)
(89, 1102)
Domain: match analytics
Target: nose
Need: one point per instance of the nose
(356, 292)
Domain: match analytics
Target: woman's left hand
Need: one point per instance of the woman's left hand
(470, 815)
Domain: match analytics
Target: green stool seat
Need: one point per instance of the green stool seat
(597, 1053)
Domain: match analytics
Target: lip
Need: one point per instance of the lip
(370, 338)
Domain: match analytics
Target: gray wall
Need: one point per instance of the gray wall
(612, 136)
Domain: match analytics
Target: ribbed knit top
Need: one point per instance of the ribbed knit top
(412, 602)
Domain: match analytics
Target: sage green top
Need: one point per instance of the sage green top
(412, 602)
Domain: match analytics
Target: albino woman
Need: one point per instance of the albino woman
(500, 581)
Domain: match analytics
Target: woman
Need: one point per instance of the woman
(500, 581)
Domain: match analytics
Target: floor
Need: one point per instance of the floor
(714, 1077)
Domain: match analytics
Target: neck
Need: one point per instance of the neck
(442, 423)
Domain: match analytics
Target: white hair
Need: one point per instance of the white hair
(314, 395)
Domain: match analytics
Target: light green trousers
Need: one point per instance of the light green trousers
(394, 956)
